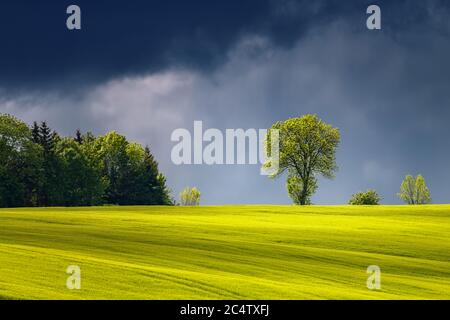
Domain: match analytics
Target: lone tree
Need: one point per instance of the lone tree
(414, 190)
(307, 148)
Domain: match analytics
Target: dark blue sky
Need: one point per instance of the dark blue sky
(145, 68)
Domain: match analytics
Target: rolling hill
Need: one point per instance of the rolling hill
(226, 252)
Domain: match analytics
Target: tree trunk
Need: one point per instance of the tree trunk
(304, 195)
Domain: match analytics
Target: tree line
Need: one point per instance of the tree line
(38, 167)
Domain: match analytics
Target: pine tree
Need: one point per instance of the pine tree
(164, 192)
(52, 190)
(150, 177)
(160, 194)
(35, 133)
(46, 137)
(78, 137)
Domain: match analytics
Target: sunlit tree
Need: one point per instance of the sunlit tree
(307, 149)
(414, 190)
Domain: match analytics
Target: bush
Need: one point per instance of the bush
(190, 197)
(370, 197)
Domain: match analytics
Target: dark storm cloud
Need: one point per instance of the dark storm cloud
(117, 38)
(147, 69)
(121, 38)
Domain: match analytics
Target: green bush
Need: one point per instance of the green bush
(370, 197)
(190, 197)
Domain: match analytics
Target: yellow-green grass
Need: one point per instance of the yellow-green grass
(226, 252)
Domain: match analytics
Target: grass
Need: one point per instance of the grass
(226, 252)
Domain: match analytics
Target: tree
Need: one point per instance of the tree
(307, 148)
(414, 190)
(78, 137)
(190, 197)
(46, 137)
(35, 133)
(407, 190)
(159, 192)
(422, 192)
(369, 197)
(145, 185)
(112, 149)
(164, 192)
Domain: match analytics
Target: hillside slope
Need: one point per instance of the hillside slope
(226, 252)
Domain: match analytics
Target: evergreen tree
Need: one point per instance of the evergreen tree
(51, 192)
(35, 133)
(78, 137)
(46, 137)
(159, 193)
(164, 193)
(151, 177)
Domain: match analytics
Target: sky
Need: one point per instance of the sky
(146, 68)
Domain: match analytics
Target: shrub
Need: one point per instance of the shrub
(370, 197)
(190, 197)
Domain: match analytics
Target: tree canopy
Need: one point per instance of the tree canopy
(307, 148)
(414, 190)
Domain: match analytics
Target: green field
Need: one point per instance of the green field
(226, 252)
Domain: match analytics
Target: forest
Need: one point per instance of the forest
(38, 167)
